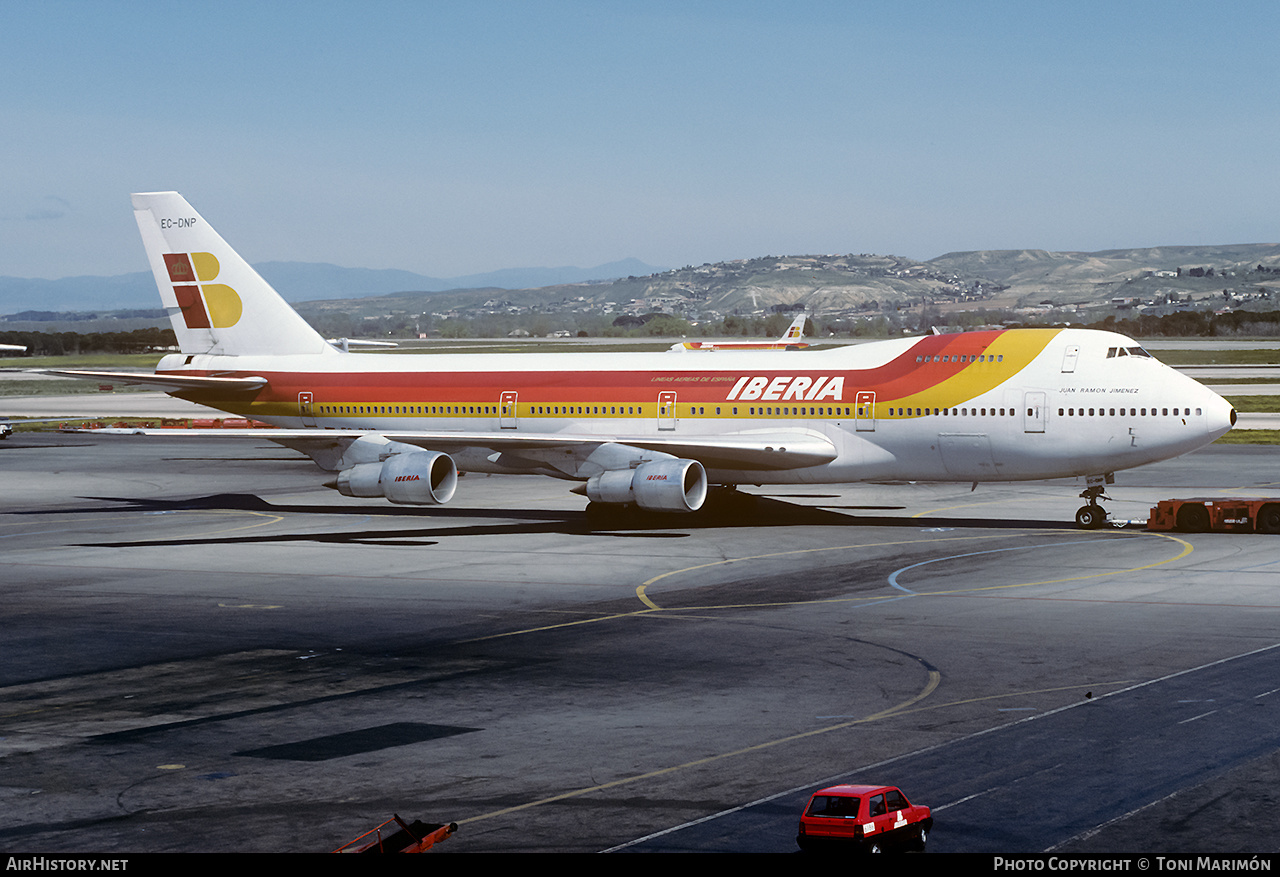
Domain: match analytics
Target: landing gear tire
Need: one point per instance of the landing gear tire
(1090, 517)
(727, 501)
(614, 516)
(1193, 518)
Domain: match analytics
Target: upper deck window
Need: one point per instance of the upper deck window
(1113, 352)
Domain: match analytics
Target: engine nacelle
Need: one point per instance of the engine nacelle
(413, 478)
(658, 486)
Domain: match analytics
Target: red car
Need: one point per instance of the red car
(874, 818)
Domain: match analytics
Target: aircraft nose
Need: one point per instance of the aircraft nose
(1220, 417)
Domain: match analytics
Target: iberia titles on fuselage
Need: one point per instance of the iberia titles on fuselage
(976, 406)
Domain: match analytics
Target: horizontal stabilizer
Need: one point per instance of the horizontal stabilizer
(171, 383)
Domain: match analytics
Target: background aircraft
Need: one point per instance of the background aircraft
(790, 340)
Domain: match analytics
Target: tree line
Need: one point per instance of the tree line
(67, 343)
(1196, 324)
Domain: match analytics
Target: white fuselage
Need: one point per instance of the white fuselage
(982, 406)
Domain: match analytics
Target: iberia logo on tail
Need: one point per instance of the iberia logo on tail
(207, 305)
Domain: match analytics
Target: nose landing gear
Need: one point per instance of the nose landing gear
(1092, 516)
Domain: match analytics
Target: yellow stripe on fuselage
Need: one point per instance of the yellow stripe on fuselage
(1014, 352)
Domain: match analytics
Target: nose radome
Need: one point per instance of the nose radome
(1220, 417)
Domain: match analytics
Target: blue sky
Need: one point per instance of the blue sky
(455, 138)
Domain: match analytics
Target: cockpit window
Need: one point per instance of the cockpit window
(1113, 352)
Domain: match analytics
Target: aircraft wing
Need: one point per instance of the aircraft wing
(172, 383)
(774, 450)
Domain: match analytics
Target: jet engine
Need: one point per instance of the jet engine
(412, 478)
(658, 486)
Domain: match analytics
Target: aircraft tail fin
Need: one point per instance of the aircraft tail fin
(216, 302)
(796, 330)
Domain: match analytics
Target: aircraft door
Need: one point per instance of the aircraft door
(864, 412)
(1033, 412)
(667, 410)
(1069, 358)
(507, 410)
(305, 409)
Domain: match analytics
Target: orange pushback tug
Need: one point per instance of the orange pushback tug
(1202, 514)
(416, 837)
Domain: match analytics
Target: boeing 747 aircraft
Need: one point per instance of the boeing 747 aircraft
(656, 430)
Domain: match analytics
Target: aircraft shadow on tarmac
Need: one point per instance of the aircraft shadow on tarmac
(736, 510)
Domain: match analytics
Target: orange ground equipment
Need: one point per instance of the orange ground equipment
(1203, 514)
(416, 837)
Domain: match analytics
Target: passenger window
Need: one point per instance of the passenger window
(877, 805)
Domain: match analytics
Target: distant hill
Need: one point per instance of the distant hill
(84, 294)
(296, 281)
(1034, 275)
(826, 284)
(832, 284)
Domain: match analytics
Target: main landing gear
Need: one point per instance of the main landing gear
(1092, 516)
